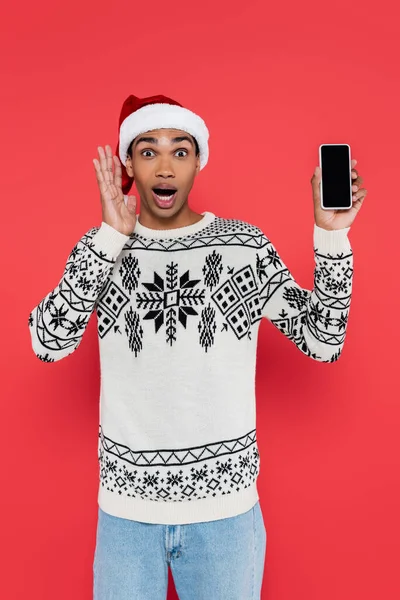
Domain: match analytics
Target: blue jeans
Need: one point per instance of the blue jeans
(222, 559)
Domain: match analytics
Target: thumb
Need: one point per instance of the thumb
(315, 182)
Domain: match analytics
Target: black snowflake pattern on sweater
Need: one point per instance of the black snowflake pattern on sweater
(170, 299)
(180, 474)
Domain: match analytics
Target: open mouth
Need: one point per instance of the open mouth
(164, 197)
(164, 193)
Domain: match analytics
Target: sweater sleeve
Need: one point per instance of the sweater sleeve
(58, 322)
(314, 320)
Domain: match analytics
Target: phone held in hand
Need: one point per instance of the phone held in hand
(335, 186)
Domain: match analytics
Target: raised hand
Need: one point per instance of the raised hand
(115, 212)
(337, 218)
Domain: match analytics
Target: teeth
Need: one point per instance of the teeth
(165, 196)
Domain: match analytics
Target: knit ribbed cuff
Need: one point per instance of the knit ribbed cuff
(109, 240)
(331, 241)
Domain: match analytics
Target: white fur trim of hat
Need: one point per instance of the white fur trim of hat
(163, 116)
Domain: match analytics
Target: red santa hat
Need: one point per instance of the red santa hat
(139, 115)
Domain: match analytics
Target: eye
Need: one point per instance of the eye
(181, 150)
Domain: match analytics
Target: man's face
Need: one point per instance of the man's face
(161, 158)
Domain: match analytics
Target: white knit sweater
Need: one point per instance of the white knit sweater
(178, 313)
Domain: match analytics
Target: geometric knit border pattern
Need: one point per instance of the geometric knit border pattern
(220, 232)
(179, 474)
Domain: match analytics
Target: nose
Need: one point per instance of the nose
(164, 167)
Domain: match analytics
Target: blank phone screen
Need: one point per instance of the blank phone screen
(336, 176)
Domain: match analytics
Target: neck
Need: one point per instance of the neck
(166, 219)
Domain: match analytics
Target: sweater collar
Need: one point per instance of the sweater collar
(140, 229)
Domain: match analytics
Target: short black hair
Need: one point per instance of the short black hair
(196, 145)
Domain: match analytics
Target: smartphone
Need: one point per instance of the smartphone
(336, 182)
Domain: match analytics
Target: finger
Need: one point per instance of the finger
(99, 176)
(118, 173)
(354, 173)
(315, 181)
(316, 175)
(358, 203)
(360, 195)
(109, 162)
(103, 165)
(353, 162)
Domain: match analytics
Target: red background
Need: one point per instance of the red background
(272, 83)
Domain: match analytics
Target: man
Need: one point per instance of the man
(179, 297)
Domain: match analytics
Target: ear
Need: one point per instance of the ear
(129, 167)
(197, 164)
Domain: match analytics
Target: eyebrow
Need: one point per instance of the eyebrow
(175, 140)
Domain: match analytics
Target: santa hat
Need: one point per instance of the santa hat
(139, 115)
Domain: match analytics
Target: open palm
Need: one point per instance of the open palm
(115, 212)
